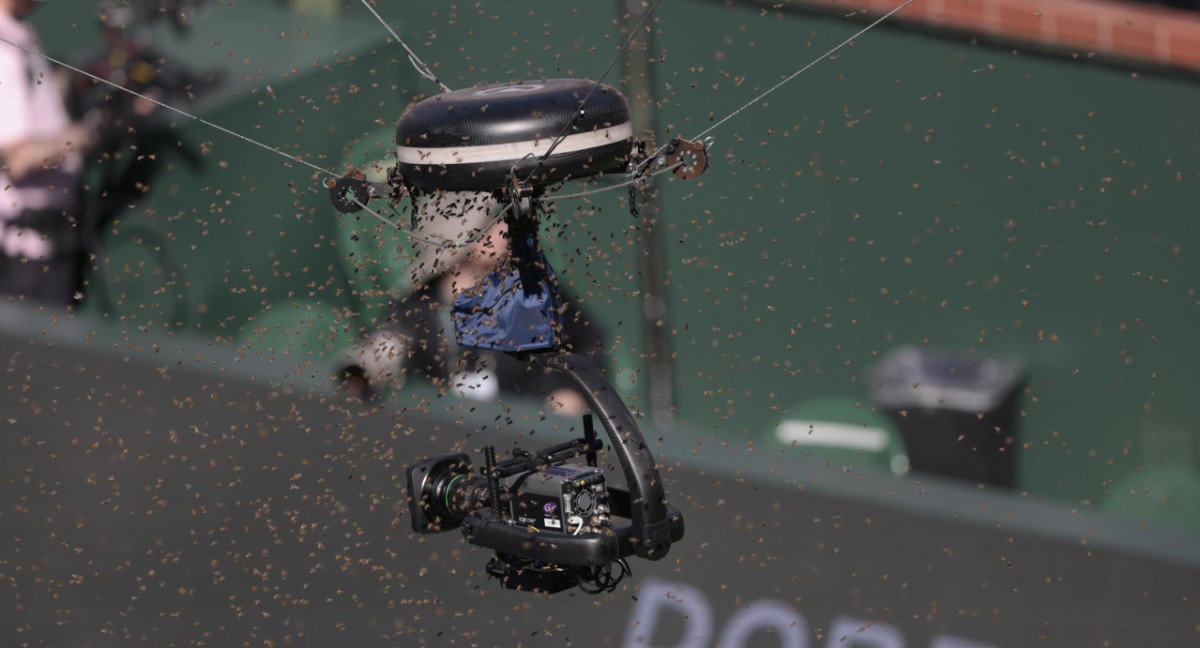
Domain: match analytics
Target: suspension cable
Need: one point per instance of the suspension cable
(804, 69)
(641, 168)
(445, 245)
(624, 183)
(173, 109)
(562, 135)
(413, 59)
(620, 52)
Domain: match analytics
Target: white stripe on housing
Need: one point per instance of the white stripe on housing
(513, 150)
(833, 435)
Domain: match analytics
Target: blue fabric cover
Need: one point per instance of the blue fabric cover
(516, 307)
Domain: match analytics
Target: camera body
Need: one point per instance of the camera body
(564, 498)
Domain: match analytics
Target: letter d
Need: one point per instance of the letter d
(688, 602)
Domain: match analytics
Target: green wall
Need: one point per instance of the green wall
(918, 190)
(910, 190)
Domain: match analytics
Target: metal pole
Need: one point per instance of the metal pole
(640, 88)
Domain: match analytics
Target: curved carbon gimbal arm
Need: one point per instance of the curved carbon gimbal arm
(651, 530)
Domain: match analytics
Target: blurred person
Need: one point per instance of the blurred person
(40, 167)
(418, 337)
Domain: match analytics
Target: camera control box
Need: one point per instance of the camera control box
(566, 498)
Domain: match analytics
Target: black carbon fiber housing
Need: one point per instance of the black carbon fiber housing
(481, 528)
(585, 549)
(473, 139)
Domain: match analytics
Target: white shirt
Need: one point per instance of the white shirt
(31, 107)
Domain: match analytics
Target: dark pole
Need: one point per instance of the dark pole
(640, 88)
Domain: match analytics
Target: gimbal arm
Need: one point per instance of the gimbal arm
(651, 526)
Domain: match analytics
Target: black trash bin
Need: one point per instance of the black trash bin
(956, 412)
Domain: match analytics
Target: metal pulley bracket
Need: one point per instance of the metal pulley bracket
(351, 192)
(689, 158)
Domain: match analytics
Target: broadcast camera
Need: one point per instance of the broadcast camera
(554, 525)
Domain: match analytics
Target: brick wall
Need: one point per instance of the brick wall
(1138, 33)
